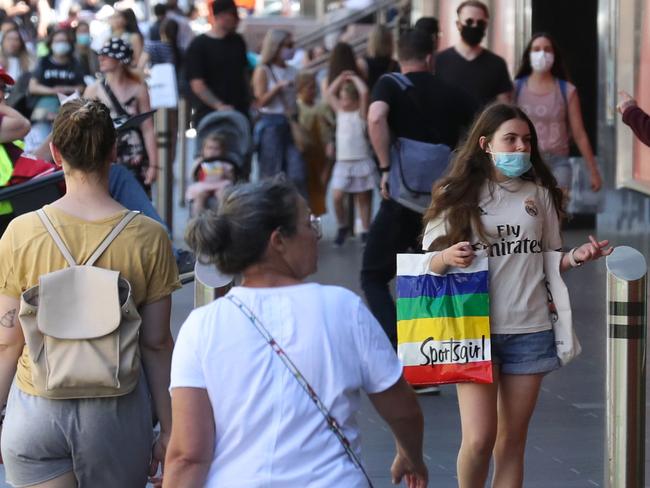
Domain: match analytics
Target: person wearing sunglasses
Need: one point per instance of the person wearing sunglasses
(477, 71)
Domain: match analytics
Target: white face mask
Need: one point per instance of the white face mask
(541, 60)
(287, 53)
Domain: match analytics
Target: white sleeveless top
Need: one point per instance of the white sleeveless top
(351, 140)
(286, 98)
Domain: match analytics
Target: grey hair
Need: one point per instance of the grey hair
(236, 235)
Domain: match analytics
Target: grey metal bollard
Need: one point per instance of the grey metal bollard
(626, 368)
(219, 285)
(165, 180)
(183, 109)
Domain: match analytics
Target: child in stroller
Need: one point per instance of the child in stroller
(212, 172)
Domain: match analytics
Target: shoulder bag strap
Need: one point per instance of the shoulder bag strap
(407, 87)
(519, 85)
(269, 69)
(295, 372)
(121, 111)
(111, 237)
(56, 237)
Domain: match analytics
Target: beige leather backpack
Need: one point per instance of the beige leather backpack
(81, 326)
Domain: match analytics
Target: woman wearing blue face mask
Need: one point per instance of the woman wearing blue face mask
(499, 196)
(275, 96)
(85, 55)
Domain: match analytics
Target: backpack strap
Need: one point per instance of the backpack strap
(407, 86)
(56, 237)
(111, 237)
(519, 85)
(402, 80)
(563, 91)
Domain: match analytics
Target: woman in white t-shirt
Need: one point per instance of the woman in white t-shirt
(499, 196)
(240, 417)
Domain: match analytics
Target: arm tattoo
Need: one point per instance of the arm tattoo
(208, 97)
(7, 320)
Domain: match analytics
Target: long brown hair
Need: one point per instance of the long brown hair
(455, 197)
(559, 68)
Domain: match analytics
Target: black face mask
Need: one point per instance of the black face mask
(472, 35)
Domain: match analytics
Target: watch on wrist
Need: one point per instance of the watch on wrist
(384, 170)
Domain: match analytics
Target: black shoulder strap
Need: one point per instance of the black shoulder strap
(121, 111)
(407, 87)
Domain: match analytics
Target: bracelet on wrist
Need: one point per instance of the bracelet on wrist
(442, 257)
(575, 263)
(384, 170)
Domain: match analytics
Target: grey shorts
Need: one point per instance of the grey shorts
(105, 441)
(561, 168)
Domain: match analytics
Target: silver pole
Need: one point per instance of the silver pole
(165, 181)
(204, 294)
(626, 368)
(182, 149)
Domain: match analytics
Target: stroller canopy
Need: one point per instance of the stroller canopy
(234, 127)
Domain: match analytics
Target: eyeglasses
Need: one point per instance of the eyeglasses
(479, 22)
(315, 224)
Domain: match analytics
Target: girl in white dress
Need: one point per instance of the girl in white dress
(354, 170)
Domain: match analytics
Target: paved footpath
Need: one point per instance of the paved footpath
(566, 441)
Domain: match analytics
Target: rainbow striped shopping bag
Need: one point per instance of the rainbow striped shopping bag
(443, 322)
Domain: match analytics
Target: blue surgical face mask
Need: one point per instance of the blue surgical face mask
(61, 48)
(83, 39)
(512, 164)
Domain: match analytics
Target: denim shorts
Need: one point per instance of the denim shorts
(532, 353)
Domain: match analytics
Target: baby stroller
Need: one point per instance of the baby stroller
(235, 129)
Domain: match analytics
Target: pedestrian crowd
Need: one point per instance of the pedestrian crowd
(263, 385)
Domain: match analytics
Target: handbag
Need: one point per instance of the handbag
(559, 305)
(414, 165)
(583, 200)
(295, 372)
(443, 321)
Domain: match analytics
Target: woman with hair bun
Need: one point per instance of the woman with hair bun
(107, 441)
(240, 418)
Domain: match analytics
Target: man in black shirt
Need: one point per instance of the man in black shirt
(438, 117)
(478, 72)
(217, 65)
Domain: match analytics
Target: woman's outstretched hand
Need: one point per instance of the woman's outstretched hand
(592, 250)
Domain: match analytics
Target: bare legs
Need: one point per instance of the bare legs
(517, 399)
(494, 420)
(363, 203)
